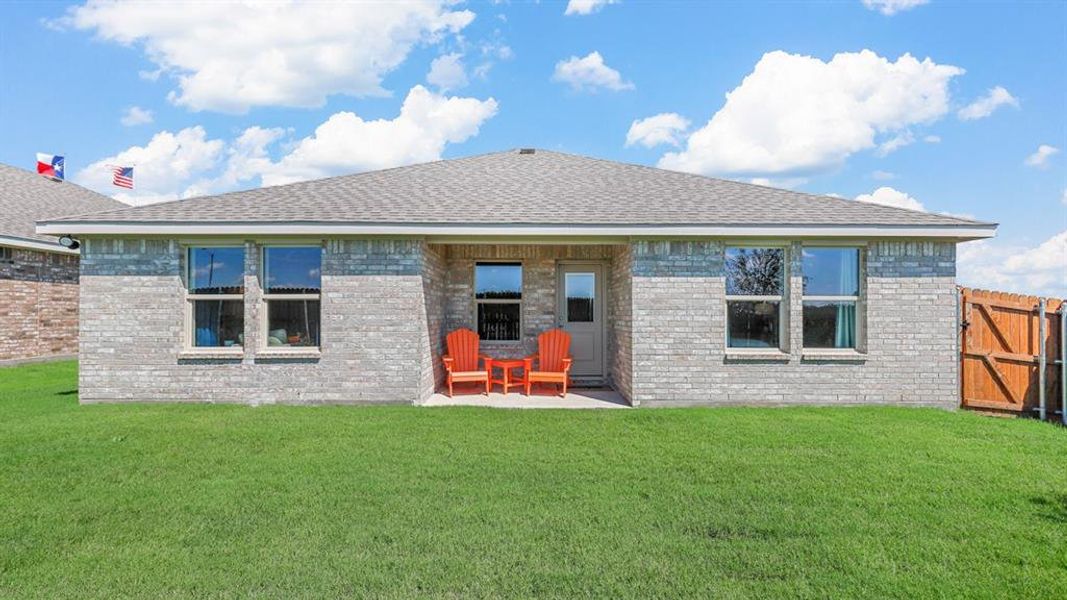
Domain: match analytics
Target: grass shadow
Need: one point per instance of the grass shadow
(1052, 507)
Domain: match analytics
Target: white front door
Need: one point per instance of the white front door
(581, 314)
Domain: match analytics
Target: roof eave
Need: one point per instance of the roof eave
(31, 244)
(176, 228)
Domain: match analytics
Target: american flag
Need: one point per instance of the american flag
(123, 177)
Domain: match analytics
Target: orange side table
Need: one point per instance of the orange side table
(507, 365)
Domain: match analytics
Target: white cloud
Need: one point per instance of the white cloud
(135, 115)
(447, 72)
(1016, 268)
(491, 52)
(586, 7)
(891, 7)
(797, 113)
(346, 143)
(780, 182)
(664, 128)
(230, 58)
(187, 163)
(1040, 158)
(589, 73)
(898, 141)
(883, 175)
(888, 196)
(162, 168)
(932, 139)
(247, 157)
(984, 106)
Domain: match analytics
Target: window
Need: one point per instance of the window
(7, 255)
(581, 294)
(498, 296)
(831, 293)
(215, 280)
(755, 278)
(292, 286)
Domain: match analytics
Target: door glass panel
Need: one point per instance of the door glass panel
(580, 288)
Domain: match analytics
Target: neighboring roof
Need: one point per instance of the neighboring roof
(26, 197)
(512, 191)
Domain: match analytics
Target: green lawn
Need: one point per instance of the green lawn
(143, 500)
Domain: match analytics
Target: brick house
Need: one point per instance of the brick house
(38, 276)
(677, 289)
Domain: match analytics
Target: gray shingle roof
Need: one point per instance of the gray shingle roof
(26, 197)
(543, 188)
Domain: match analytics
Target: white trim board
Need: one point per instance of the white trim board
(978, 231)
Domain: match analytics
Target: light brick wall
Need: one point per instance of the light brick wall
(372, 335)
(38, 305)
(434, 289)
(387, 304)
(620, 321)
(680, 320)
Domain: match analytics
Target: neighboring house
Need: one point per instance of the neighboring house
(677, 289)
(38, 276)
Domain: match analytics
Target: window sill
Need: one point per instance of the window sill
(286, 353)
(232, 353)
(829, 355)
(757, 355)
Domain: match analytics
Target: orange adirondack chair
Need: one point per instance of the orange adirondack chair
(553, 360)
(461, 362)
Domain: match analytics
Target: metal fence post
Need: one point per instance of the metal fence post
(1042, 360)
(1063, 361)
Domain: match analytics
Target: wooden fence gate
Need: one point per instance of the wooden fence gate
(1011, 349)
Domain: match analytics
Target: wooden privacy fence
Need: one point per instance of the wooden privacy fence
(1012, 354)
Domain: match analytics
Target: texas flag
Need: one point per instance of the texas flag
(50, 165)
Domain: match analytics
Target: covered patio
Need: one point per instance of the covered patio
(511, 293)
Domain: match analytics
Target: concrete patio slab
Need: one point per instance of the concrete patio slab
(580, 398)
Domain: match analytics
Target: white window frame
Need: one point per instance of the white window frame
(857, 299)
(477, 300)
(781, 299)
(191, 298)
(7, 254)
(265, 299)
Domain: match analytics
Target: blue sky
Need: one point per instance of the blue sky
(955, 107)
